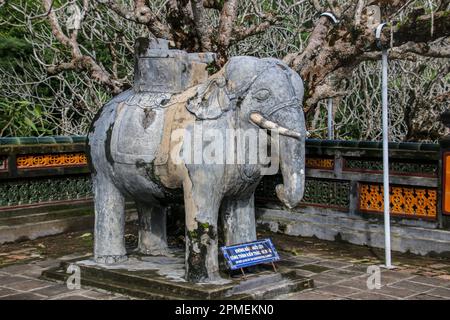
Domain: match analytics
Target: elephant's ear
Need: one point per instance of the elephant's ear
(211, 99)
(298, 85)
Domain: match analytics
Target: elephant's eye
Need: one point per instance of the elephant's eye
(261, 95)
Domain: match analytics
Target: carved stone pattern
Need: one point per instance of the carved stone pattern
(148, 100)
(319, 163)
(51, 160)
(34, 191)
(328, 193)
(3, 163)
(394, 166)
(409, 201)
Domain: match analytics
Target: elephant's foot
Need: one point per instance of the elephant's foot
(202, 265)
(110, 259)
(211, 278)
(152, 244)
(152, 230)
(161, 251)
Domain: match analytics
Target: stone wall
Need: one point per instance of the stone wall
(344, 197)
(48, 170)
(45, 187)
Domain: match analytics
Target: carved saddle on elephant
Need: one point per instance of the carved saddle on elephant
(212, 100)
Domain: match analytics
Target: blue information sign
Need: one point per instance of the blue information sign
(249, 254)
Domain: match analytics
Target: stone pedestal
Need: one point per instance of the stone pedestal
(162, 278)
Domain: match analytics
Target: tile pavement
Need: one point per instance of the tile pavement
(343, 280)
(335, 278)
(21, 282)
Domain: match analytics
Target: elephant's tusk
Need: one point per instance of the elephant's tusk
(262, 122)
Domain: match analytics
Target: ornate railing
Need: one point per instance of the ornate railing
(39, 171)
(341, 175)
(347, 176)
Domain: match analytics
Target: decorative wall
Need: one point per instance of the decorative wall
(46, 170)
(45, 190)
(319, 163)
(3, 163)
(395, 166)
(341, 175)
(405, 201)
(51, 160)
(328, 193)
(318, 192)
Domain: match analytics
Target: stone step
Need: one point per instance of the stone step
(283, 287)
(257, 282)
(26, 210)
(111, 286)
(17, 215)
(18, 226)
(149, 284)
(45, 216)
(151, 281)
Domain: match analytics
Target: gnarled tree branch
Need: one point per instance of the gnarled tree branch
(79, 61)
(227, 18)
(201, 25)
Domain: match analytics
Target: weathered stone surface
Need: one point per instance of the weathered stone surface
(10, 280)
(396, 292)
(23, 296)
(338, 290)
(357, 283)
(7, 292)
(426, 297)
(430, 281)
(418, 287)
(440, 292)
(371, 296)
(330, 225)
(133, 152)
(310, 296)
(27, 285)
(48, 221)
(52, 290)
(329, 279)
(163, 278)
(74, 297)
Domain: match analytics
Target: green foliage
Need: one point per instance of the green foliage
(12, 48)
(25, 112)
(22, 118)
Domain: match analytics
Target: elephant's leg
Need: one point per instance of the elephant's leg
(152, 229)
(238, 216)
(202, 208)
(109, 242)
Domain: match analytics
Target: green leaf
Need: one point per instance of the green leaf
(30, 124)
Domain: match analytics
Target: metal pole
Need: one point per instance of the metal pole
(335, 21)
(384, 97)
(330, 119)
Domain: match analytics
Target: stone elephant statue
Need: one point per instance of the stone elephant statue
(135, 153)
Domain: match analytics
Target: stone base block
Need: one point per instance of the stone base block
(160, 277)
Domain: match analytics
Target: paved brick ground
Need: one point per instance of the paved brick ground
(339, 270)
(20, 282)
(339, 279)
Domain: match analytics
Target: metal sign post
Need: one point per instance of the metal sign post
(384, 98)
(335, 21)
(330, 119)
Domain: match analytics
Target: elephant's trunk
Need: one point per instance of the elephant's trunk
(292, 161)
